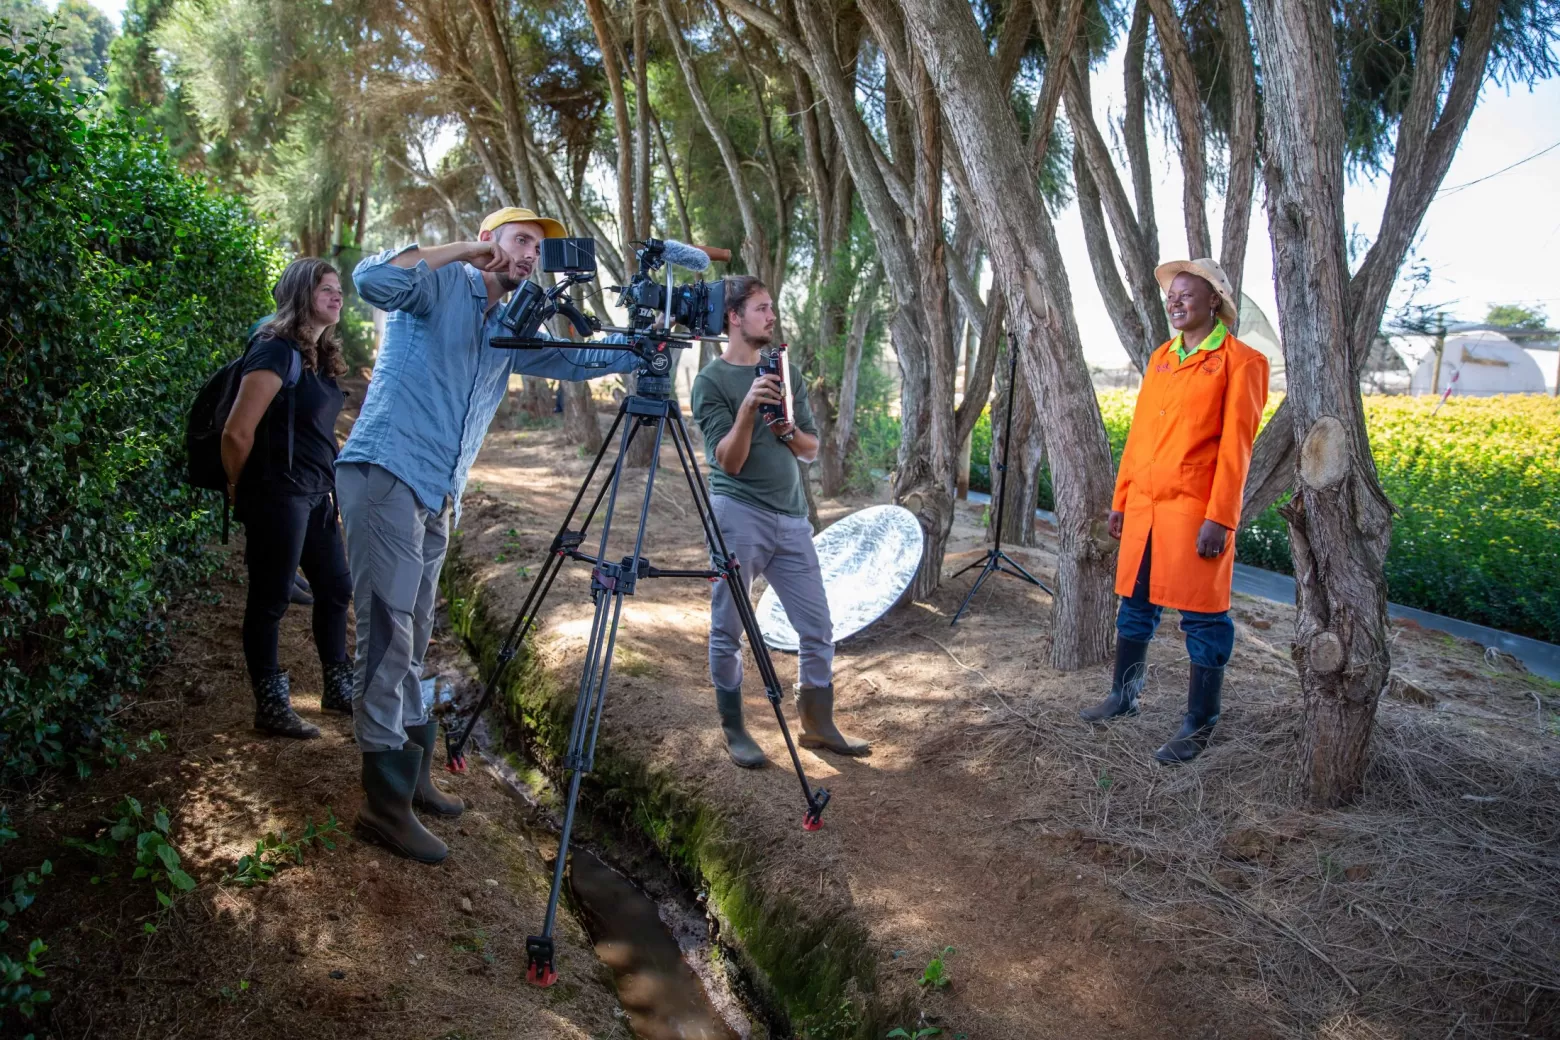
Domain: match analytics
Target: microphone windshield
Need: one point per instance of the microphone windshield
(690, 258)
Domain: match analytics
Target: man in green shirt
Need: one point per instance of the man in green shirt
(756, 490)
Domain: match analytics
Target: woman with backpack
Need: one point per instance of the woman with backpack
(279, 454)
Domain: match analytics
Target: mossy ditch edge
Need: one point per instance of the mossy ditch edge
(817, 971)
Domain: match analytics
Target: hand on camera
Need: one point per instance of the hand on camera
(1211, 539)
(765, 390)
(1115, 522)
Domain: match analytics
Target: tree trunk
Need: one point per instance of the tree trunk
(924, 478)
(537, 397)
(581, 424)
(961, 472)
(516, 130)
(1192, 139)
(625, 158)
(641, 120)
(1340, 523)
(834, 453)
(1021, 242)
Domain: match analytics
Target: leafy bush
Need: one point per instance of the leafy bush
(127, 284)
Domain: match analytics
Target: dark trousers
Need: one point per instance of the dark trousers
(1210, 638)
(282, 533)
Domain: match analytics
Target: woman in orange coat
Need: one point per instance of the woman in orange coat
(1178, 497)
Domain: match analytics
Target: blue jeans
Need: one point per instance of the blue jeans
(1210, 638)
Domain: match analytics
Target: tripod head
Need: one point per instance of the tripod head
(653, 309)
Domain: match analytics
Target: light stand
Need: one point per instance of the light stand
(996, 561)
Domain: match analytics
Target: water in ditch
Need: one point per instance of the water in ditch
(658, 948)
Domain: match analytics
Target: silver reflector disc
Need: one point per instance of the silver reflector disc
(868, 560)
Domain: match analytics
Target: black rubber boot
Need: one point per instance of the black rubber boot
(815, 705)
(273, 709)
(336, 686)
(1202, 714)
(389, 779)
(742, 748)
(427, 797)
(1125, 685)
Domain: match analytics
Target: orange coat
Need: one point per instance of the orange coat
(1186, 461)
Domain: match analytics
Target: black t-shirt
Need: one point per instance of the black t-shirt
(316, 402)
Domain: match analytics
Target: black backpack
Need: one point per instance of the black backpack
(209, 414)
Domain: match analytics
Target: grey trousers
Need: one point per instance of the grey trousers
(395, 550)
(780, 548)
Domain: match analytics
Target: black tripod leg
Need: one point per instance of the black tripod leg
(728, 566)
(608, 585)
(971, 565)
(456, 751)
(990, 561)
(1021, 573)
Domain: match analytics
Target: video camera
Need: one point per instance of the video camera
(699, 306)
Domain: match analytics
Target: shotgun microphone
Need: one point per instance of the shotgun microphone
(689, 258)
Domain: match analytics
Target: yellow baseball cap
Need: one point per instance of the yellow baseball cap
(516, 215)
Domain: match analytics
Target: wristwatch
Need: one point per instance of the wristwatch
(788, 438)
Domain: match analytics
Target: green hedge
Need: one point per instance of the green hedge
(127, 284)
(1477, 487)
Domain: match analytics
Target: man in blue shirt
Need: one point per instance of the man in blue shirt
(437, 383)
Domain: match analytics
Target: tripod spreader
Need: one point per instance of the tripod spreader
(611, 582)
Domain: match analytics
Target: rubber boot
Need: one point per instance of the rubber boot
(389, 780)
(336, 684)
(273, 709)
(1202, 714)
(427, 797)
(742, 748)
(815, 705)
(1125, 685)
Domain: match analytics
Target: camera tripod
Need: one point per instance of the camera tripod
(996, 561)
(651, 406)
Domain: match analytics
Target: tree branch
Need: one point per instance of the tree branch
(1187, 105)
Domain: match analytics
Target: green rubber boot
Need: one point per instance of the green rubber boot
(389, 778)
(742, 748)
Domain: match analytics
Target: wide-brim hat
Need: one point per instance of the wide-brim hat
(1210, 272)
(517, 215)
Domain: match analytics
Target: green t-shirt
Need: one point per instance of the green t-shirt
(769, 478)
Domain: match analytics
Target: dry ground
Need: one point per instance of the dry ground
(1087, 891)
(352, 942)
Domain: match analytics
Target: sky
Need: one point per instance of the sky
(1497, 241)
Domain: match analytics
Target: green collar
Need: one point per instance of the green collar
(1213, 341)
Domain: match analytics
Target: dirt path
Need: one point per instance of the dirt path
(977, 821)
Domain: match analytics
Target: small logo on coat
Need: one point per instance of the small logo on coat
(1163, 366)
(1213, 364)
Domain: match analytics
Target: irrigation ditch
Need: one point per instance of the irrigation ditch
(698, 947)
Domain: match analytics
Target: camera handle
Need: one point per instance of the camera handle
(610, 583)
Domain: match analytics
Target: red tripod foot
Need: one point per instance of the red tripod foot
(456, 764)
(539, 961)
(812, 821)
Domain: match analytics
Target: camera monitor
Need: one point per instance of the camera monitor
(568, 255)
